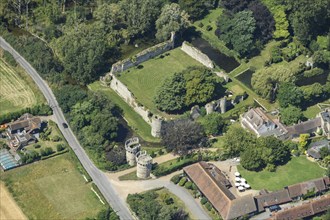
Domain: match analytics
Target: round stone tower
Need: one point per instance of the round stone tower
(209, 107)
(156, 126)
(223, 106)
(144, 164)
(132, 147)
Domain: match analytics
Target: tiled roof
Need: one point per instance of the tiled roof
(26, 122)
(302, 188)
(305, 210)
(273, 198)
(305, 127)
(219, 196)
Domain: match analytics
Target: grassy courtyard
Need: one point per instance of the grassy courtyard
(144, 82)
(52, 189)
(17, 90)
(297, 170)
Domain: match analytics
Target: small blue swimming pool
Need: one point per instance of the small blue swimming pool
(7, 161)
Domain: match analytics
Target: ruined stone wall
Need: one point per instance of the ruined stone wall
(144, 55)
(128, 97)
(197, 55)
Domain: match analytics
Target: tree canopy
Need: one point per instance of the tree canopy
(237, 31)
(195, 85)
(291, 115)
(183, 135)
(172, 18)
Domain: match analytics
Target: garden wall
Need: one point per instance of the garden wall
(197, 55)
(143, 56)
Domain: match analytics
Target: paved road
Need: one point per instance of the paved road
(99, 178)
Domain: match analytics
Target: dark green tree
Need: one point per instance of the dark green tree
(170, 96)
(237, 31)
(252, 158)
(213, 123)
(289, 94)
(172, 18)
(237, 139)
(195, 8)
(291, 115)
(183, 135)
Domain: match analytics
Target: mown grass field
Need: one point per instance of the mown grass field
(52, 189)
(144, 82)
(134, 120)
(297, 170)
(17, 90)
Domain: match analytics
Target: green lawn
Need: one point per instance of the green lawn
(52, 189)
(135, 121)
(144, 82)
(297, 170)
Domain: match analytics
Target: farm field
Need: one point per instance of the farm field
(8, 207)
(297, 170)
(144, 82)
(52, 189)
(17, 90)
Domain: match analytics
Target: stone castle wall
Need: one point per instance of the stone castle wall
(143, 56)
(129, 98)
(197, 55)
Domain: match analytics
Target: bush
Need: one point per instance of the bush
(36, 146)
(176, 179)
(271, 167)
(204, 201)
(188, 185)
(194, 187)
(208, 206)
(56, 138)
(60, 147)
(201, 25)
(182, 181)
(160, 152)
(152, 154)
(47, 151)
(209, 28)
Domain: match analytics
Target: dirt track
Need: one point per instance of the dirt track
(9, 210)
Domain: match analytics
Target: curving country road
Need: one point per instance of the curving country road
(99, 178)
(116, 201)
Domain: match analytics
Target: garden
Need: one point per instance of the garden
(157, 203)
(298, 169)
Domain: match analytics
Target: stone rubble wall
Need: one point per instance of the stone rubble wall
(129, 98)
(197, 55)
(143, 56)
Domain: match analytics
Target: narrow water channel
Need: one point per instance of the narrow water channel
(223, 61)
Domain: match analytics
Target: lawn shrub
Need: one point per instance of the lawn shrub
(176, 179)
(60, 147)
(188, 185)
(203, 200)
(167, 168)
(182, 181)
(56, 138)
(208, 206)
(36, 146)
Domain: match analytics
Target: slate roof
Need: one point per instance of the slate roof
(314, 150)
(305, 210)
(304, 127)
(26, 122)
(300, 189)
(273, 198)
(228, 206)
